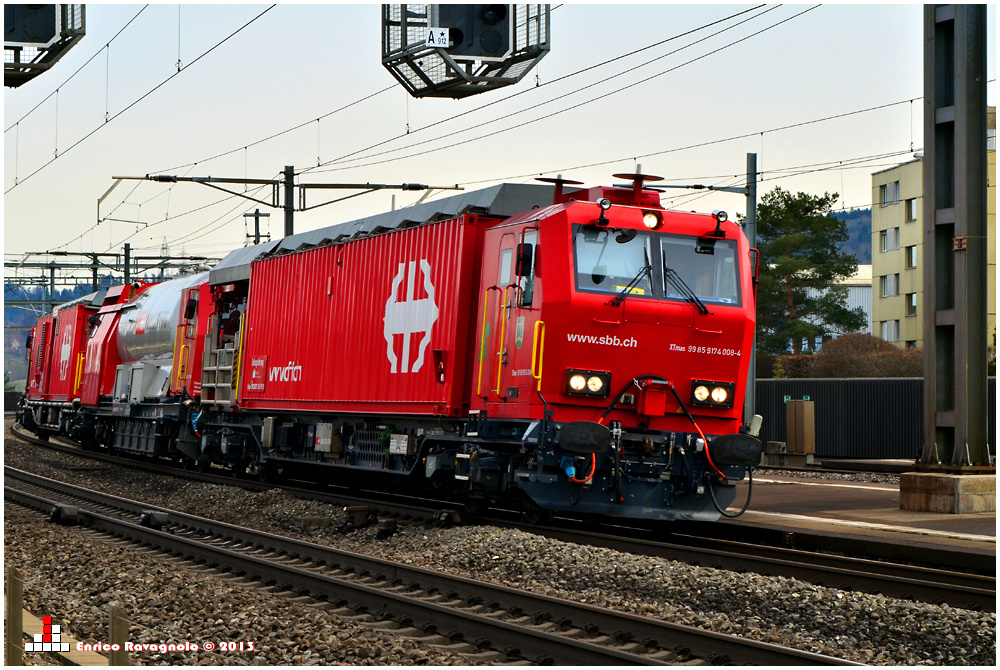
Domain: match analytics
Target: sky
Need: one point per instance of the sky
(769, 85)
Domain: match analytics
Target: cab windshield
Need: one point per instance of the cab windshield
(606, 263)
(712, 276)
(609, 260)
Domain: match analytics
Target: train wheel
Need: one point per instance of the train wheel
(536, 515)
(474, 507)
(262, 472)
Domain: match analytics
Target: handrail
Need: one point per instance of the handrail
(502, 340)
(78, 374)
(239, 359)
(178, 348)
(482, 346)
(539, 350)
(182, 364)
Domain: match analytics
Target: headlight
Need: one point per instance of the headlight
(651, 220)
(712, 394)
(588, 382)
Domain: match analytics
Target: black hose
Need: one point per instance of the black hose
(544, 427)
(711, 493)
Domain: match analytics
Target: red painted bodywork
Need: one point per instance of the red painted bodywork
(320, 323)
(669, 339)
(101, 358)
(317, 324)
(190, 344)
(55, 372)
(39, 363)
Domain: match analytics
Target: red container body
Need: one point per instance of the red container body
(56, 364)
(376, 325)
(39, 363)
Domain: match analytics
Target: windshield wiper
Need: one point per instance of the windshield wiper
(675, 280)
(647, 270)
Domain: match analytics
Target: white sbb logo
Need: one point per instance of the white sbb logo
(410, 316)
(64, 352)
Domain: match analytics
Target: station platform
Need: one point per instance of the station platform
(888, 465)
(865, 513)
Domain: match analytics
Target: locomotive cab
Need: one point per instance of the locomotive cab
(623, 339)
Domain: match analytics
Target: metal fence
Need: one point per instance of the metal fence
(857, 418)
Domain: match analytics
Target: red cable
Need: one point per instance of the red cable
(593, 469)
(707, 454)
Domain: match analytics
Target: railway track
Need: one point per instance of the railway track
(524, 626)
(958, 589)
(821, 567)
(386, 504)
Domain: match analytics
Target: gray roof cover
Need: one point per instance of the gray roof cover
(94, 299)
(500, 200)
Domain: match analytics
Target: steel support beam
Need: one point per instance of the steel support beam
(955, 347)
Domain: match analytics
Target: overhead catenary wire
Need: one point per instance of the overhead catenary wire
(482, 136)
(181, 239)
(108, 44)
(141, 98)
(610, 60)
(461, 114)
(524, 175)
(698, 145)
(279, 134)
(550, 83)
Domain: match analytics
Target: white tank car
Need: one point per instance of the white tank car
(147, 335)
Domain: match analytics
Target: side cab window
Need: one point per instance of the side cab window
(527, 260)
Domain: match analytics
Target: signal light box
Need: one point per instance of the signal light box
(481, 32)
(454, 51)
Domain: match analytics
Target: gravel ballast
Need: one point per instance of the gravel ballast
(75, 579)
(860, 627)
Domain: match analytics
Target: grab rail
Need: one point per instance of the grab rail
(539, 350)
(482, 346)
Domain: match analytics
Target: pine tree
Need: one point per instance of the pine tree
(800, 259)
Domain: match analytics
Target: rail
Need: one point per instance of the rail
(331, 574)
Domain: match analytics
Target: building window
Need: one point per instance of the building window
(890, 285)
(888, 193)
(911, 304)
(890, 330)
(911, 209)
(911, 344)
(911, 257)
(889, 239)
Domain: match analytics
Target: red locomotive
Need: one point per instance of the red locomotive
(531, 345)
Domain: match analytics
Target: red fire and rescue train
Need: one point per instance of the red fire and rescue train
(533, 345)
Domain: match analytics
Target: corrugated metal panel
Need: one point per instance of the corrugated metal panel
(861, 296)
(856, 418)
(354, 327)
(236, 265)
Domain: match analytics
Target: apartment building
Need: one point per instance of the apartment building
(897, 248)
